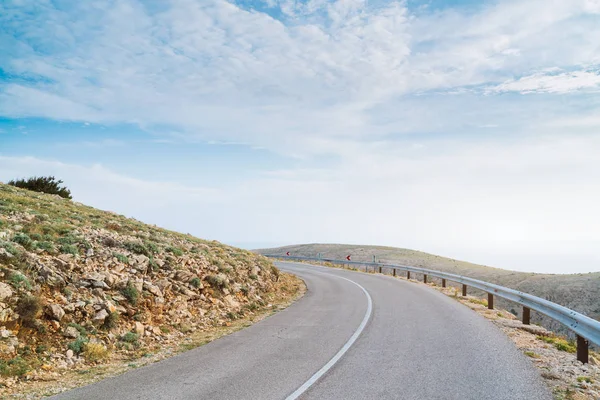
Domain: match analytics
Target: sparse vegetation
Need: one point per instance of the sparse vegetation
(18, 281)
(95, 352)
(131, 293)
(196, 282)
(121, 258)
(44, 184)
(175, 251)
(111, 321)
(22, 239)
(29, 309)
(137, 248)
(14, 367)
(560, 343)
(69, 249)
(59, 303)
(130, 337)
(532, 354)
(78, 345)
(216, 281)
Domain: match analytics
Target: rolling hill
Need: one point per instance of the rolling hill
(580, 292)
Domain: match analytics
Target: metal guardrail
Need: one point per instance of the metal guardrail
(586, 328)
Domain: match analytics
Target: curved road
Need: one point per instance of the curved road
(352, 336)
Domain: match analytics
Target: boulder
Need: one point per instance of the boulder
(153, 289)
(71, 332)
(138, 328)
(100, 316)
(231, 302)
(55, 312)
(5, 291)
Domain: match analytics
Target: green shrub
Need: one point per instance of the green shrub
(565, 346)
(82, 331)
(121, 257)
(23, 239)
(18, 280)
(196, 282)
(111, 321)
(253, 276)
(44, 184)
(41, 348)
(216, 281)
(36, 236)
(29, 308)
(46, 246)
(152, 248)
(15, 367)
(69, 239)
(10, 248)
(176, 251)
(78, 345)
(131, 293)
(136, 247)
(225, 269)
(69, 249)
(153, 264)
(130, 337)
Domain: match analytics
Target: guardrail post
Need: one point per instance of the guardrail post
(582, 350)
(424, 278)
(379, 269)
(490, 301)
(408, 275)
(526, 315)
(394, 272)
(443, 282)
(464, 293)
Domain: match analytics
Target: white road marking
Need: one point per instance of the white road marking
(342, 351)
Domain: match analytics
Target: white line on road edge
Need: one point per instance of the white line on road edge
(342, 351)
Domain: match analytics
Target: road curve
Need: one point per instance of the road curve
(413, 343)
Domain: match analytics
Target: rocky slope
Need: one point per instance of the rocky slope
(579, 292)
(79, 285)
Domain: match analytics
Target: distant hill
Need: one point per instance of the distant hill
(580, 292)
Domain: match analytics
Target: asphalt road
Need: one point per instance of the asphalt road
(352, 336)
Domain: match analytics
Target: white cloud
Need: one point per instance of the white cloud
(418, 116)
(223, 73)
(556, 83)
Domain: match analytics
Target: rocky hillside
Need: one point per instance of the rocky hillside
(579, 292)
(79, 285)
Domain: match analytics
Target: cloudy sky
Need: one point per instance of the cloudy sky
(465, 128)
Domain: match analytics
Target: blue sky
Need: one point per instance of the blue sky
(469, 129)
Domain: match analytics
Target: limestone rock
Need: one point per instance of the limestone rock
(231, 302)
(138, 328)
(55, 312)
(71, 332)
(5, 291)
(153, 289)
(100, 316)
